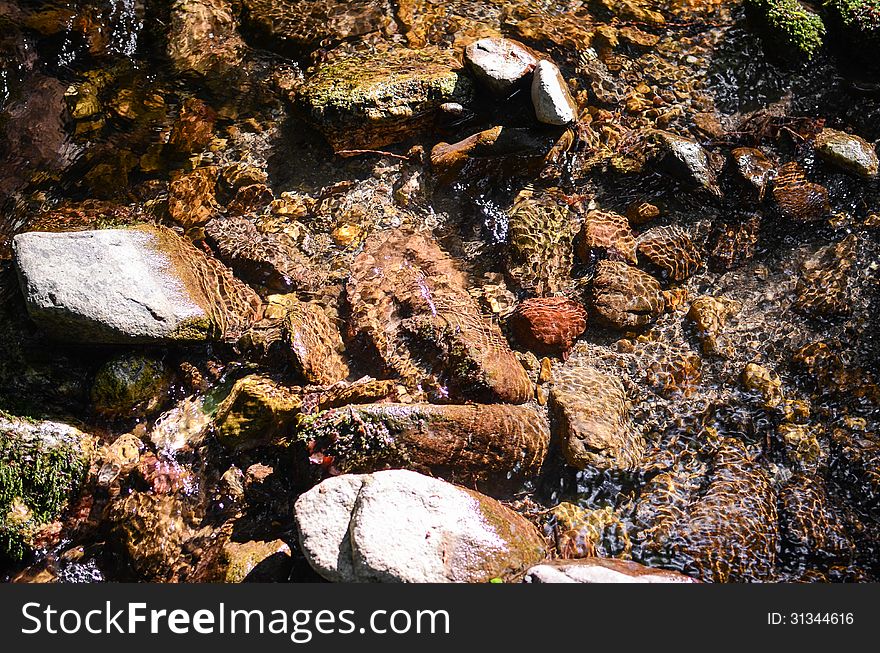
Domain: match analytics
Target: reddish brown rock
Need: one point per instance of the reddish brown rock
(734, 243)
(641, 212)
(412, 314)
(625, 297)
(671, 250)
(250, 198)
(191, 200)
(548, 325)
(798, 199)
(203, 40)
(607, 232)
(755, 169)
(487, 445)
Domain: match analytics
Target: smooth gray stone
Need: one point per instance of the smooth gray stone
(108, 286)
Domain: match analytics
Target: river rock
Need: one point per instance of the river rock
(540, 249)
(153, 533)
(400, 526)
(591, 420)
(130, 385)
(850, 152)
(249, 562)
(625, 297)
(809, 523)
(310, 23)
(548, 325)
(370, 100)
(765, 383)
(716, 521)
(269, 259)
(581, 533)
(256, 411)
(551, 97)
(789, 28)
(754, 168)
(799, 199)
(203, 39)
(609, 233)
(490, 446)
(686, 159)
(733, 243)
(670, 250)
(42, 466)
(412, 315)
(192, 197)
(140, 285)
(499, 63)
(709, 315)
(601, 570)
(315, 343)
(826, 284)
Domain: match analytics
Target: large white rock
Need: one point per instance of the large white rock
(323, 515)
(401, 526)
(551, 98)
(139, 285)
(601, 570)
(499, 63)
(105, 286)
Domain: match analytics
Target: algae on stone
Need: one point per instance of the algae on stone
(790, 25)
(41, 465)
(371, 100)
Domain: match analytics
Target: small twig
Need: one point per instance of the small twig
(379, 152)
(792, 132)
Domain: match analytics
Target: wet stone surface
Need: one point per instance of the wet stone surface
(275, 276)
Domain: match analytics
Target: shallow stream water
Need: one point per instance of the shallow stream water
(91, 95)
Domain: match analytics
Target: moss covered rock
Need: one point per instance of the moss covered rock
(131, 384)
(373, 99)
(42, 465)
(257, 410)
(789, 28)
(856, 26)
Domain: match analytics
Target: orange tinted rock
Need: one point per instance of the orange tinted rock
(412, 314)
(548, 324)
(624, 296)
(607, 232)
(488, 445)
(798, 199)
(671, 250)
(642, 212)
(191, 200)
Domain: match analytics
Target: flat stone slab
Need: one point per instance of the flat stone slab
(601, 570)
(108, 286)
